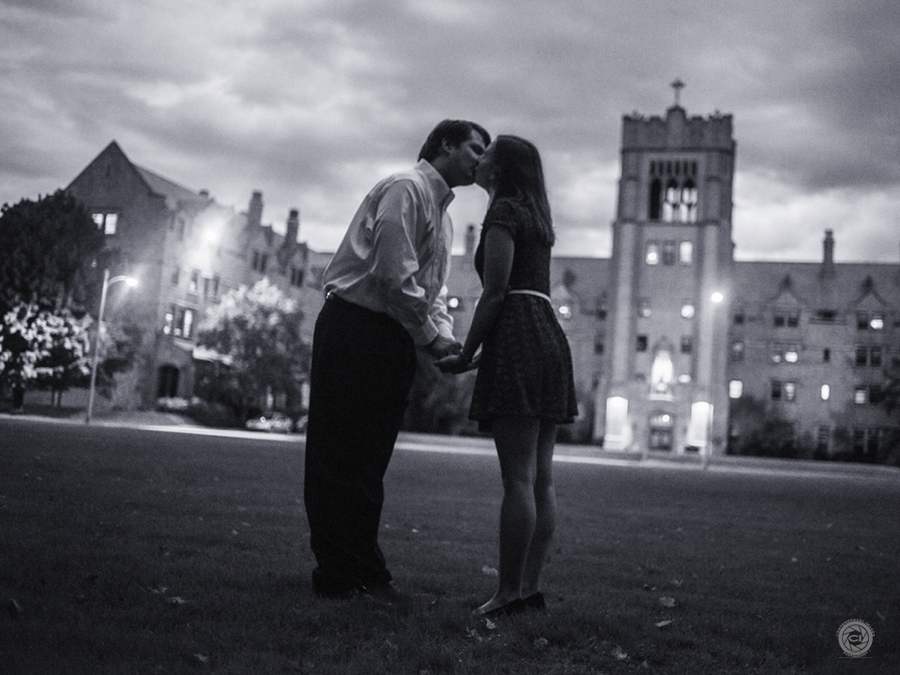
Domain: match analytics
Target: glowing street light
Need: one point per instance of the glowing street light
(107, 282)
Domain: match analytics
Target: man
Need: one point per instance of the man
(385, 294)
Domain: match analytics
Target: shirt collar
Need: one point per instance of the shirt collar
(442, 192)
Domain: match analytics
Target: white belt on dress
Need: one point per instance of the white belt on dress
(528, 291)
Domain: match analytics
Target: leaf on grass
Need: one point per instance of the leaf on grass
(490, 571)
(159, 590)
(176, 600)
(15, 609)
(619, 654)
(490, 625)
(473, 634)
(663, 624)
(201, 658)
(667, 602)
(541, 643)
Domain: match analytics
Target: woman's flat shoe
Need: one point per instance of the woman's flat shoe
(516, 606)
(535, 601)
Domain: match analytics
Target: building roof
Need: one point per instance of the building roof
(851, 284)
(175, 194)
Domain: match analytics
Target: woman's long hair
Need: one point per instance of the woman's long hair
(520, 178)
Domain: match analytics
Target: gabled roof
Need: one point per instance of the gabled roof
(759, 283)
(174, 193)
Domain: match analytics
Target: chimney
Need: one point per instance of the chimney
(293, 228)
(470, 240)
(254, 211)
(828, 259)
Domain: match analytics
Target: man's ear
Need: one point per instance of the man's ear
(447, 147)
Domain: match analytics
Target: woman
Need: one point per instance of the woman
(524, 386)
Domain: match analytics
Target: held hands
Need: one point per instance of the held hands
(443, 346)
(457, 363)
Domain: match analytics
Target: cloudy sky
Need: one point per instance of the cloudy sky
(312, 101)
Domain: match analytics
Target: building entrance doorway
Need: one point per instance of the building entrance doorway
(661, 428)
(167, 379)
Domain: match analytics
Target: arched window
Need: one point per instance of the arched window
(655, 198)
(672, 201)
(689, 202)
(167, 382)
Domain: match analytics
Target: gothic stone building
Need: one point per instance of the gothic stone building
(186, 252)
(671, 333)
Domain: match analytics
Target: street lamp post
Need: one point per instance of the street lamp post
(107, 282)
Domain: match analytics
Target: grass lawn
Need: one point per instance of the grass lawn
(130, 551)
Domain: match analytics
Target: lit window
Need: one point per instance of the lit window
(106, 221)
(791, 355)
(167, 326)
(737, 351)
(644, 308)
(686, 253)
(735, 389)
(860, 396)
(195, 282)
(687, 310)
(790, 391)
(877, 321)
(652, 253)
(825, 392)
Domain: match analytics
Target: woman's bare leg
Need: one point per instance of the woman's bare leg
(545, 510)
(516, 439)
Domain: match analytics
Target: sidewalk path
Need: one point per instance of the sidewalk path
(165, 422)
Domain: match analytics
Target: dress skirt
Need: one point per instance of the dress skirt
(526, 366)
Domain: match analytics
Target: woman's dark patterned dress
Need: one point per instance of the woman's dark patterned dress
(526, 364)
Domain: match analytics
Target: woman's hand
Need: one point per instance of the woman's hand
(456, 364)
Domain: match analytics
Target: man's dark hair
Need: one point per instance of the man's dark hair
(454, 132)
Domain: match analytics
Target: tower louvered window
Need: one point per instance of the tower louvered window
(673, 191)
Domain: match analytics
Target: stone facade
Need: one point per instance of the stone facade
(186, 251)
(670, 331)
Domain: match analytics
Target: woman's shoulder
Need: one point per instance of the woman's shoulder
(506, 213)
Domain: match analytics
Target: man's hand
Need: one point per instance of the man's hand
(457, 363)
(443, 346)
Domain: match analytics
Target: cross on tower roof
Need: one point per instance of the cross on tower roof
(677, 85)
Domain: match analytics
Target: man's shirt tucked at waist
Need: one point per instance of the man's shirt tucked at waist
(395, 256)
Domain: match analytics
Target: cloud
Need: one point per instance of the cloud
(311, 101)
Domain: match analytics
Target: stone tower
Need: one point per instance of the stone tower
(665, 389)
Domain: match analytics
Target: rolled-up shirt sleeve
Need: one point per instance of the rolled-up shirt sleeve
(394, 232)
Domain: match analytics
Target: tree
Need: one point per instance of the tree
(38, 345)
(66, 361)
(50, 252)
(256, 334)
(47, 273)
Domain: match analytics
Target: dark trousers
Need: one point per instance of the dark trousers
(363, 364)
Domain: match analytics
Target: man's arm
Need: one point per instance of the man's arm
(395, 261)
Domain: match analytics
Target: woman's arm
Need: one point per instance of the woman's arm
(498, 258)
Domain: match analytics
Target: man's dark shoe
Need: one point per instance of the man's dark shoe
(386, 593)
